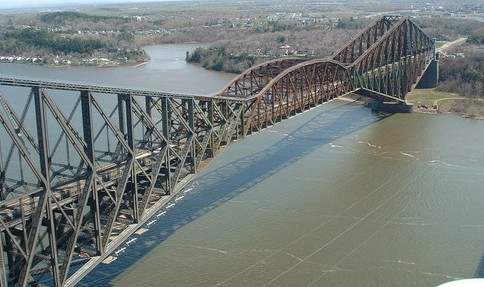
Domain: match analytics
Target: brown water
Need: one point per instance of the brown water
(167, 71)
(337, 196)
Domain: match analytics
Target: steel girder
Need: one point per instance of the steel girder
(394, 64)
(254, 79)
(83, 167)
(294, 90)
(359, 44)
(81, 170)
(384, 61)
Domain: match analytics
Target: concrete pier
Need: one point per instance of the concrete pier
(391, 107)
(430, 79)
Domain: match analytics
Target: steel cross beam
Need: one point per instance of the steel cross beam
(83, 167)
(394, 64)
(255, 78)
(359, 44)
(384, 61)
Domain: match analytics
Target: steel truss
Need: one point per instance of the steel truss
(392, 66)
(384, 61)
(83, 167)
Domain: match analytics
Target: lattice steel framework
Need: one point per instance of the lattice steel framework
(83, 167)
(392, 66)
(384, 61)
(363, 41)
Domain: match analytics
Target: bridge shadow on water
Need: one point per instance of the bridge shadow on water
(217, 185)
(480, 269)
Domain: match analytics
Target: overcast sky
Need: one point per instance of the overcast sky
(5, 4)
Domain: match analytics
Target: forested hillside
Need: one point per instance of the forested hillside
(69, 38)
(235, 35)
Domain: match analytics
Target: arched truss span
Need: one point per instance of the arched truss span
(256, 78)
(385, 61)
(294, 90)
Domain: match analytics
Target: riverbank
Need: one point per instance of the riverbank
(436, 102)
(98, 62)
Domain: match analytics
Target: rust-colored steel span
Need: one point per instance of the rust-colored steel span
(82, 167)
(384, 61)
(395, 61)
(292, 91)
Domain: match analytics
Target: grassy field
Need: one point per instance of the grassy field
(433, 101)
(439, 44)
(431, 97)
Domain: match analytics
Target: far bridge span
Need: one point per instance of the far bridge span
(83, 167)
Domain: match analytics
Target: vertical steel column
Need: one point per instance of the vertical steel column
(148, 105)
(211, 143)
(403, 58)
(224, 111)
(133, 186)
(95, 202)
(192, 135)
(391, 78)
(411, 54)
(165, 118)
(118, 153)
(3, 270)
(3, 193)
(243, 128)
(44, 198)
(165, 128)
(147, 137)
(286, 97)
(121, 116)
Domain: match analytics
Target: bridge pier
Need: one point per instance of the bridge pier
(383, 103)
(430, 78)
(391, 107)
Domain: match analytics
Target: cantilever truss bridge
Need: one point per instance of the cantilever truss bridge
(83, 167)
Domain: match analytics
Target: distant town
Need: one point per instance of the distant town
(235, 35)
(110, 35)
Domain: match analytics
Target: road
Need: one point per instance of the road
(448, 45)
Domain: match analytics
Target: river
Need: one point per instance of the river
(336, 196)
(167, 71)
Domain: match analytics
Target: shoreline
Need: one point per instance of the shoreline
(432, 101)
(421, 110)
(425, 101)
(428, 101)
(99, 64)
(141, 64)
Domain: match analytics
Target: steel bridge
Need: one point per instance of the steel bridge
(83, 167)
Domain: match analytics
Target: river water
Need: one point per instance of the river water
(337, 196)
(167, 71)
